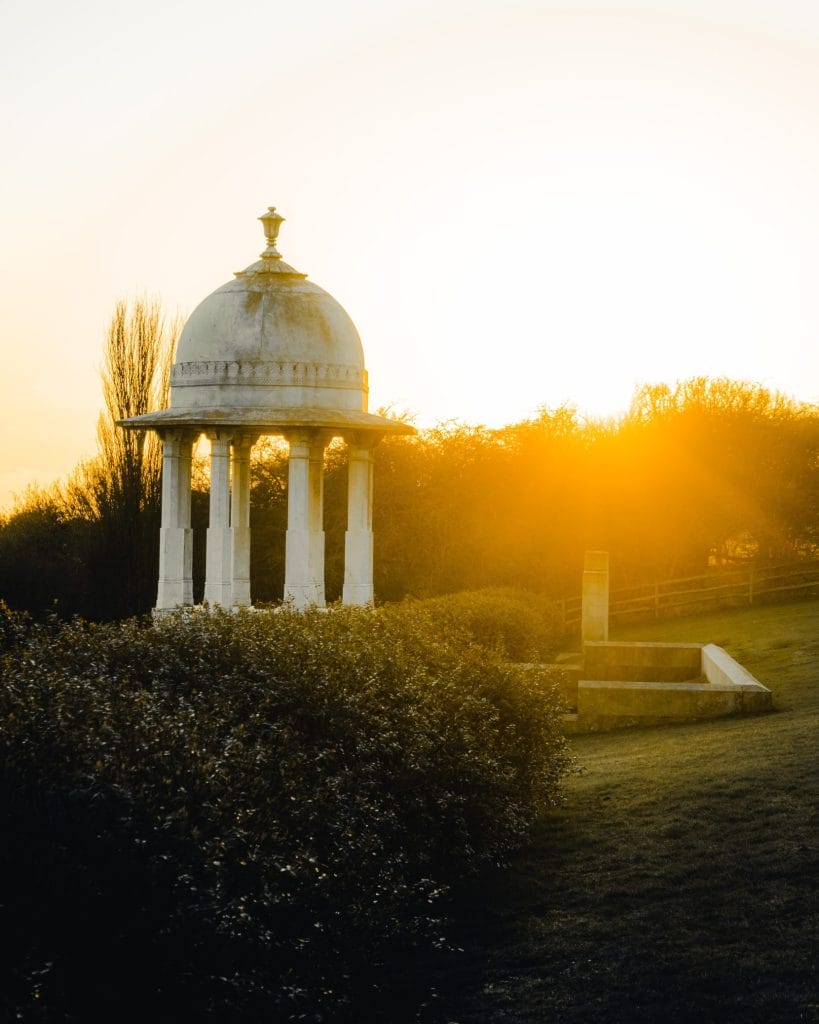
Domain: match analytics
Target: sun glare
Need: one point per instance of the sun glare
(519, 207)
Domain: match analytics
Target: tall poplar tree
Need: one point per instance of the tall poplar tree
(122, 486)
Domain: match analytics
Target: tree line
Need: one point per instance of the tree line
(704, 472)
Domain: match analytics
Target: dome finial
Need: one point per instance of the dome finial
(271, 222)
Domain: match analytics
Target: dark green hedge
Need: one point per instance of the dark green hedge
(518, 625)
(250, 817)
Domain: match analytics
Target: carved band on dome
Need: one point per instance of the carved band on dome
(199, 373)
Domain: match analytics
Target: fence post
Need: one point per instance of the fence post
(594, 613)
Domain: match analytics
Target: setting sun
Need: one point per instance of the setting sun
(519, 205)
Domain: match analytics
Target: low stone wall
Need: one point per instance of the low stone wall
(642, 662)
(632, 684)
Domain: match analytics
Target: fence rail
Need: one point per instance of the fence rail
(748, 585)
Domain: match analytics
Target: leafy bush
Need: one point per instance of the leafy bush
(515, 624)
(249, 817)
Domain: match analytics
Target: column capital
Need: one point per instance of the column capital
(244, 439)
(220, 434)
(178, 435)
(363, 440)
(307, 437)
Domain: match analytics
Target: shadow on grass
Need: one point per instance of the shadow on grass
(679, 882)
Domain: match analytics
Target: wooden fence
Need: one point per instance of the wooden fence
(722, 588)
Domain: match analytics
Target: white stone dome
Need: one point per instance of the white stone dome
(269, 341)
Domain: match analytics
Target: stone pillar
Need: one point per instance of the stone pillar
(175, 534)
(358, 542)
(240, 519)
(304, 544)
(595, 614)
(315, 515)
(218, 570)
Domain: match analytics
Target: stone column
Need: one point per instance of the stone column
(240, 519)
(595, 614)
(315, 515)
(218, 573)
(304, 545)
(175, 534)
(358, 541)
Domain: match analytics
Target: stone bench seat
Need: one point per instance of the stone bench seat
(627, 684)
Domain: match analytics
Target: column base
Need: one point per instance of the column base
(175, 587)
(241, 566)
(358, 568)
(303, 592)
(358, 594)
(218, 581)
(307, 595)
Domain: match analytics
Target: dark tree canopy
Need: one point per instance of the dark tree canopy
(702, 473)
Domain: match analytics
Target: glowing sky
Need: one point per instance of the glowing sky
(519, 204)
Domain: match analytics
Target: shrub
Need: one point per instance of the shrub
(247, 817)
(516, 624)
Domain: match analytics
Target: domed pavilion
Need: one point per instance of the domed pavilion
(267, 353)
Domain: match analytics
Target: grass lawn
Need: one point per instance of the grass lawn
(679, 882)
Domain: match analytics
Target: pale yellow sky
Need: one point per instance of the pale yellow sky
(519, 204)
